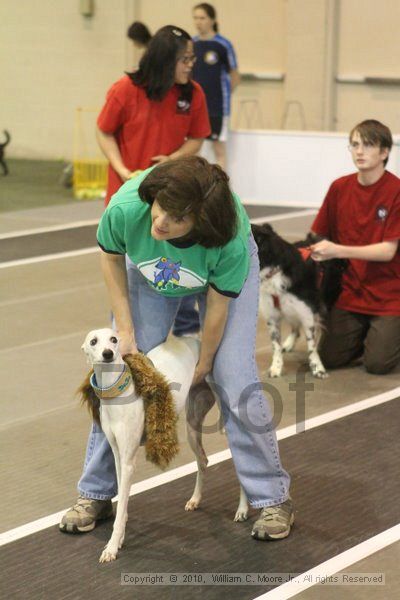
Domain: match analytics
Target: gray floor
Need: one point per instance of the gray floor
(46, 309)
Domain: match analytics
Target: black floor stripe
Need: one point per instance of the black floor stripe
(346, 486)
(52, 242)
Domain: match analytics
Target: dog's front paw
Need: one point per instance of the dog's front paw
(289, 343)
(192, 504)
(286, 348)
(274, 371)
(109, 554)
(318, 371)
(320, 374)
(241, 515)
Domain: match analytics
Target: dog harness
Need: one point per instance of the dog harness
(115, 390)
(305, 254)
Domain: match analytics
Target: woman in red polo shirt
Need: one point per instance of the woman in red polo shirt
(155, 113)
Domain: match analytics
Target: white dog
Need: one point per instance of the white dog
(123, 417)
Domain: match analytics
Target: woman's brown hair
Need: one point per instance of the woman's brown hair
(192, 186)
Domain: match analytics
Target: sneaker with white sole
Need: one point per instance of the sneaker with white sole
(83, 516)
(274, 522)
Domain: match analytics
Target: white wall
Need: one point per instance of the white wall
(53, 60)
(291, 168)
(369, 46)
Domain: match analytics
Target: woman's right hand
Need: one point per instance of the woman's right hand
(127, 343)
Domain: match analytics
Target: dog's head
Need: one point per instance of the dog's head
(262, 233)
(276, 255)
(269, 245)
(101, 346)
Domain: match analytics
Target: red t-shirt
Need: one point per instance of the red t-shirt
(358, 215)
(144, 128)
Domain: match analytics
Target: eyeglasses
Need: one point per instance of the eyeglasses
(366, 146)
(191, 58)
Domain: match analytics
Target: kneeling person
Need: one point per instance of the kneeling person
(360, 218)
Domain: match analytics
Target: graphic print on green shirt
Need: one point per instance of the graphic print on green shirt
(169, 269)
(170, 274)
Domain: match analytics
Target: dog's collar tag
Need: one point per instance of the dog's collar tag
(120, 386)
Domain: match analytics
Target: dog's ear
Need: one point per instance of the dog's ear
(84, 348)
(257, 233)
(260, 232)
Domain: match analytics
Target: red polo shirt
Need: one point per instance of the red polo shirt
(144, 128)
(358, 215)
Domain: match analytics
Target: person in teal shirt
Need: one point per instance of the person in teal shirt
(196, 266)
(178, 231)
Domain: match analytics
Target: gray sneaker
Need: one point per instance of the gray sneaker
(82, 517)
(274, 522)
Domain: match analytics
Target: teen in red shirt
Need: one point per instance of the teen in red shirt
(360, 218)
(155, 113)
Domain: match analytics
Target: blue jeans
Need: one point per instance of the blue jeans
(187, 319)
(246, 412)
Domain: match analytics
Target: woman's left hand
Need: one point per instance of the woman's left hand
(200, 373)
(160, 158)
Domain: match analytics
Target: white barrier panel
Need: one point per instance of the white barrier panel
(291, 168)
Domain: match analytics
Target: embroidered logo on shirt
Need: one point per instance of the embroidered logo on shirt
(381, 213)
(211, 57)
(182, 106)
(164, 274)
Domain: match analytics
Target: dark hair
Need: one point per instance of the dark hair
(192, 186)
(375, 133)
(211, 13)
(138, 32)
(156, 71)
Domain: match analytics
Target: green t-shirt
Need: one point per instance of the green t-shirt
(172, 270)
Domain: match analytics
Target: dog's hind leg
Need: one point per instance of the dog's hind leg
(242, 512)
(200, 400)
(291, 340)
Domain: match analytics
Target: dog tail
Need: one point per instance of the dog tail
(8, 138)
(161, 444)
(89, 398)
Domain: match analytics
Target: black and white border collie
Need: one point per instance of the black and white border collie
(296, 289)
